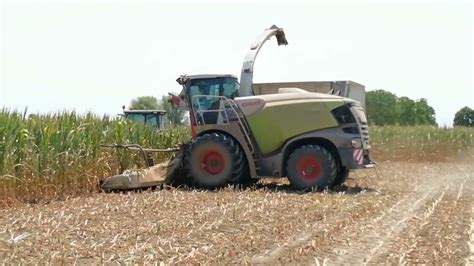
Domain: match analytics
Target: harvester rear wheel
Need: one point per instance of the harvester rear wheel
(214, 160)
(311, 166)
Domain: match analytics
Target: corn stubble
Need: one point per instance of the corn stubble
(265, 224)
(56, 160)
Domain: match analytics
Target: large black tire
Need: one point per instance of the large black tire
(245, 180)
(311, 166)
(341, 177)
(214, 160)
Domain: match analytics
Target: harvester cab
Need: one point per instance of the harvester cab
(240, 134)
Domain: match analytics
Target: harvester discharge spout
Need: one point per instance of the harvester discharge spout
(246, 76)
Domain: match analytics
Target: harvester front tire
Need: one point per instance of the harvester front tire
(311, 167)
(214, 160)
(341, 177)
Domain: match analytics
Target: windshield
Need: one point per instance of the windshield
(228, 87)
(148, 119)
(211, 87)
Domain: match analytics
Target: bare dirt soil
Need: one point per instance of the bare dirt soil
(408, 213)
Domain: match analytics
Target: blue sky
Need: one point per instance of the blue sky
(98, 55)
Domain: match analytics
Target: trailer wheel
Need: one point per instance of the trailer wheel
(311, 166)
(214, 160)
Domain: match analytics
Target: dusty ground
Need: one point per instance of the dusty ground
(415, 213)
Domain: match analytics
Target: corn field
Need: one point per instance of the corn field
(422, 143)
(56, 155)
(59, 155)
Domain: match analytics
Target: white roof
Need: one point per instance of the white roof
(210, 76)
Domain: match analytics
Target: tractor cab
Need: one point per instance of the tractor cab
(215, 85)
(203, 89)
(155, 118)
(207, 95)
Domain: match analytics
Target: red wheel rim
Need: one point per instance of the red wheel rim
(213, 163)
(309, 168)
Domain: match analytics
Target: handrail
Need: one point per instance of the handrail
(227, 102)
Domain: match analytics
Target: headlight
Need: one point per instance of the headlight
(356, 143)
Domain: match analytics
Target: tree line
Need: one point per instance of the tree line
(385, 108)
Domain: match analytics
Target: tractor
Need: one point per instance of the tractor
(241, 131)
(155, 118)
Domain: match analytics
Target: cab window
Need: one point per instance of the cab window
(227, 87)
(208, 89)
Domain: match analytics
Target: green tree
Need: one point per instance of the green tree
(425, 114)
(382, 107)
(407, 112)
(385, 108)
(144, 103)
(464, 117)
(175, 114)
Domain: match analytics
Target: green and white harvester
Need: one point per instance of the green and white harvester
(313, 133)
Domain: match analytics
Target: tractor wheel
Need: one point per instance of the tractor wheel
(311, 166)
(341, 177)
(214, 160)
(179, 177)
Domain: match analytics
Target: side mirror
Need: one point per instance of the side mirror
(175, 100)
